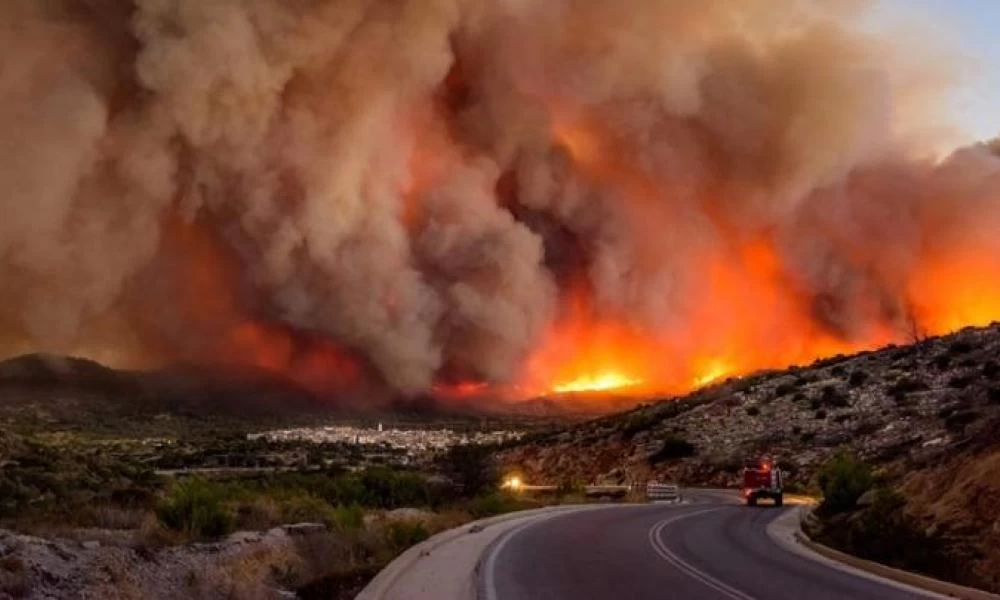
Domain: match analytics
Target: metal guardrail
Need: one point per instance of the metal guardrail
(660, 492)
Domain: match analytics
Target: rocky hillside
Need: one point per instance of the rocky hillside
(900, 405)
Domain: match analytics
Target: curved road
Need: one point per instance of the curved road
(710, 548)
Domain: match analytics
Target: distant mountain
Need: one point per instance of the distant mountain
(42, 390)
(76, 391)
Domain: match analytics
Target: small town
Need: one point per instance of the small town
(411, 440)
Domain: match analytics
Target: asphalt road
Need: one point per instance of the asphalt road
(710, 548)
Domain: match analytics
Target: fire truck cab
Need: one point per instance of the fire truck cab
(762, 479)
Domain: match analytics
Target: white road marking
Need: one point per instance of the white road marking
(685, 567)
(489, 588)
(489, 577)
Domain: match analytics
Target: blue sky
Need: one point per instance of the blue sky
(972, 29)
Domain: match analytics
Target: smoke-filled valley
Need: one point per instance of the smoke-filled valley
(507, 198)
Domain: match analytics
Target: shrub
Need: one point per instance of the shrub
(492, 504)
(384, 488)
(991, 370)
(867, 428)
(838, 371)
(304, 507)
(843, 479)
(403, 534)
(348, 518)
(958, 420)
(638, 423)
(857, 379)
(960, 347)
(196, 507)
(942, 362)
(885, 533)
(805, 379)
(960, 382)
(784, 389)
(568, 487)
(994, 395)
(472, 468)
(904, 387)
(834, 398)
(673, 448)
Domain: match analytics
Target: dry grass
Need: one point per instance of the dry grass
(254, 575)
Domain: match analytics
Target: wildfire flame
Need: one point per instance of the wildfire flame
(596, 383)
(715, 370)
(598, 198)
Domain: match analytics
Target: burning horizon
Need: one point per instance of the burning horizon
(469, 198)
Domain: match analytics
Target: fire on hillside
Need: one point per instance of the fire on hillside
(466, 198)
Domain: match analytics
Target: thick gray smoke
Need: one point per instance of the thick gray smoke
(422, 181)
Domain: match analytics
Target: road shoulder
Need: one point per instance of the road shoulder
(445, 567)
(786, 531)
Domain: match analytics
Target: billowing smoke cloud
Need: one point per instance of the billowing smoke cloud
(432, 189)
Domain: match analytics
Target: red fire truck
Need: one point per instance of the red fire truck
(762, 479)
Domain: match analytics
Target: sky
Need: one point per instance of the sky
(970, 28)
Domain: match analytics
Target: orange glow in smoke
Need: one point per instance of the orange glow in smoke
(210, 301)
(750, 318)
(955, 291)
(750, 314)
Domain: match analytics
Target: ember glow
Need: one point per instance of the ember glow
(471, 198)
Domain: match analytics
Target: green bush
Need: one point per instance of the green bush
(496, 503)
(403, 534)
(304, 507)
(348, 518)
(196, 507)
(385, 488)
(843, 479)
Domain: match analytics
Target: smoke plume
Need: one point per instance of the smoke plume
(512, 192)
